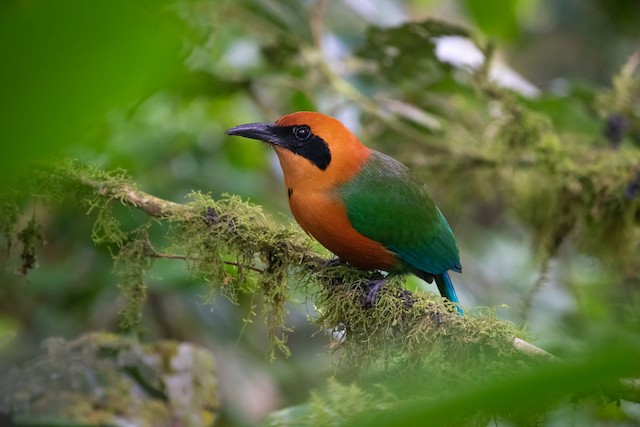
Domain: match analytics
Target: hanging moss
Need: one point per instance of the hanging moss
(236, 250)
(131, 263)
(31, 239)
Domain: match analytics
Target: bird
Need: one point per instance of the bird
(367, 208)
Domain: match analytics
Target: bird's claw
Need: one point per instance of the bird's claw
(335, 262)
(407, 297)
(371, 292)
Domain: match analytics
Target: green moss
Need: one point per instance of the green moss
(131, 263)
(409, 330)
(232, 246)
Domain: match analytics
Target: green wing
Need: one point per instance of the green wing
(389, 204)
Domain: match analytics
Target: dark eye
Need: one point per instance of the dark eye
(302, 132)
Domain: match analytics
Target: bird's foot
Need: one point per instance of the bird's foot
(333, 263)
(211, 216)
(371, 292)
(407, 298)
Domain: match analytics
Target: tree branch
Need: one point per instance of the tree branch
(128, 194)
(311, 261)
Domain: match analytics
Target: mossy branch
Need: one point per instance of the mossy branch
(231, 245)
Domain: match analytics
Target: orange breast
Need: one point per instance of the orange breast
(324, 217)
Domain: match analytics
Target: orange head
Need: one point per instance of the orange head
(316, 151)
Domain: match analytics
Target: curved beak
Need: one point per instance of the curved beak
(260, 131)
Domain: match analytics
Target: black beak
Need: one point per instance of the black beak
(261, 131)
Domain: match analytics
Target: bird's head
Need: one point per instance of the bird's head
(314, 149)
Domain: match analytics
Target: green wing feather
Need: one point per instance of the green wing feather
(387, 203)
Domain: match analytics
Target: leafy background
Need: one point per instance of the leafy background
(150, 87)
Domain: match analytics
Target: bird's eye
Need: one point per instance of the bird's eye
(302, 132)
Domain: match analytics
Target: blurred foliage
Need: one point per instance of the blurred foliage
(538, 173)
(67, 65)
(521, 397)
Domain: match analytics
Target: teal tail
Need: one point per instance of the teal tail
(445, 286)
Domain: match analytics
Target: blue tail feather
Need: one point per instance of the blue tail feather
(445, 286)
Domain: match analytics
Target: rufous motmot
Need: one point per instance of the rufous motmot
(364, 206)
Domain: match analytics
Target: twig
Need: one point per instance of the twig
(151, 205)
(238, 265)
